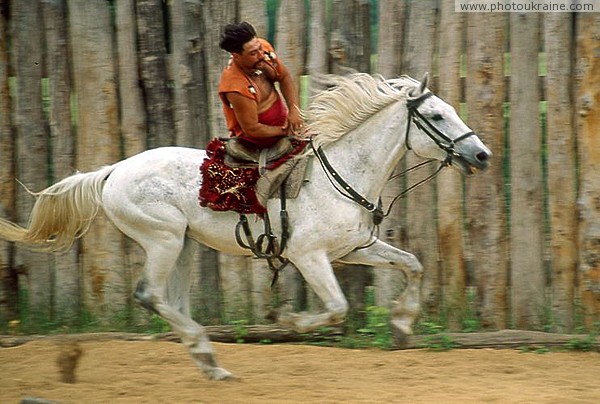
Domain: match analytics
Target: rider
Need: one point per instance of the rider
(253, 107)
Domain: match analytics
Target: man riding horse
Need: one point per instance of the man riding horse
(252, 105)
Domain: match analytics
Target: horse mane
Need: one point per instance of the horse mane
(351, 101)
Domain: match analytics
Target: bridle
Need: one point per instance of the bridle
(414, 116)
(440, 139)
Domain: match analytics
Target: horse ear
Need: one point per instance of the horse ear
(424, 82)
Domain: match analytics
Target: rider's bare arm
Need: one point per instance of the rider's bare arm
(247, 115)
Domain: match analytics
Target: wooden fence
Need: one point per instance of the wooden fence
(85, 83)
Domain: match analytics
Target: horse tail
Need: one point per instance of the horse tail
(62, 212)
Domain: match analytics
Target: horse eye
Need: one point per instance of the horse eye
(437, 117)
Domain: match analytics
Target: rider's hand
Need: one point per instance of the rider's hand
(295, 122)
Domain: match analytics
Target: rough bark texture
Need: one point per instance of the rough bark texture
(152, 52)
(349, 40)
(106, 291)
(218, 269)
(450, 195)
(587, 74)
(561, 167)
(317, 49)
(485, 201)
(131, 101)
(189, 69)
(527, 270)
(236, 287)
(390, 282)
(8, 273)
(350, 50)
(421, 225)
(217, 13)
(290, 36)
(290, 43)
(255, 12)
(133, 127)
(182, 64)
(67, 289)
(31, 141)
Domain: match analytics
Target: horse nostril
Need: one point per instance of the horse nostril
(482, 156)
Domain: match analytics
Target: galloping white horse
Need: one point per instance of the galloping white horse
(364, 126)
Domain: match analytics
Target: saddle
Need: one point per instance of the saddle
(243, 154)
(272, 175)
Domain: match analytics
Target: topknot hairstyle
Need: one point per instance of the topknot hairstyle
(235, 36)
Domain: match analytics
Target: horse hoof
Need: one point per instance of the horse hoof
(220, 374)
(272, 315)
(400, 336)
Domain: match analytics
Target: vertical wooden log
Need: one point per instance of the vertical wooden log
(290, 37)
(350, 51)
(421, 225)
(389, 283)
(317, 49)
(485, 201)
(209, 304)
(133, 128)
(217, 13)
(32, 142)
(561, 166)
(9, 284)
(291, 48)
(255, 12)
(187, 65)
(236, 285)
(317, 67)
(587, 74)
(527, 270)
(450, 184)
(131, 106)
(261, 294)
(152, 49)
(67, 290)
(106, 286)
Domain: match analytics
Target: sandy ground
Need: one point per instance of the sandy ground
(162, 372)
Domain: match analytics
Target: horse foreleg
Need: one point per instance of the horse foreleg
(408, 304)
(318, 273)
(152, 294)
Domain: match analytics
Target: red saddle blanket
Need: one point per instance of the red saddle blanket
(227, 188)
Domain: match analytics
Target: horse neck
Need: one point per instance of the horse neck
(366, 156)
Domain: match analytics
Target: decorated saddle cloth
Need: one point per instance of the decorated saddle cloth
(229, 185)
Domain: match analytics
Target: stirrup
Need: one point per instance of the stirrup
(272, 250)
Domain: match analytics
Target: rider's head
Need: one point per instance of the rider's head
(240, 40)
(235, 36)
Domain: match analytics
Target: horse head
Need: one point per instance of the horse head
(435, 131)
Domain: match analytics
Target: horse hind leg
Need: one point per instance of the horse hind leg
(179, 284)
(172, 304)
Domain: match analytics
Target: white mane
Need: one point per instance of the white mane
(352, 100)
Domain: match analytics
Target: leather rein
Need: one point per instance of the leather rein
(414, 116)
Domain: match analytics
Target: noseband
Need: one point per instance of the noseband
(421, 122)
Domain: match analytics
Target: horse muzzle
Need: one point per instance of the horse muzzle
(471, 159)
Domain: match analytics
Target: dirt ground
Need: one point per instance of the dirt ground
(162, 372)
